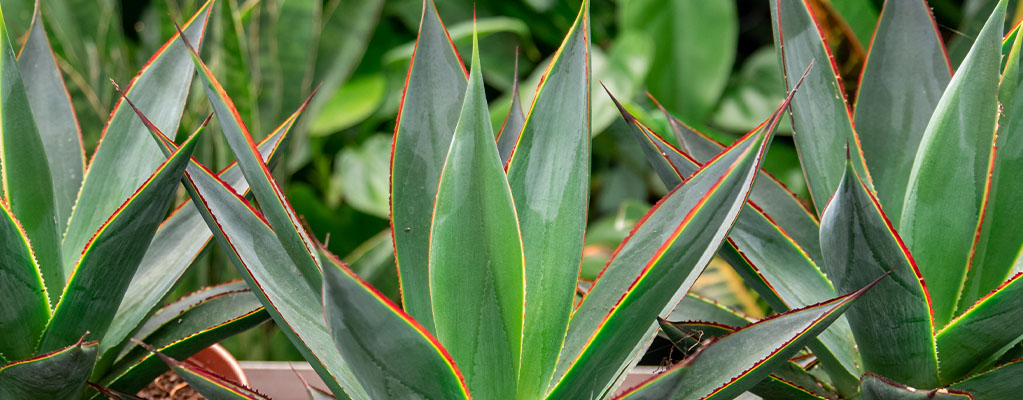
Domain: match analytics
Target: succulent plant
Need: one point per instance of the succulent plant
(924, 186)
(89, 251)
(489, 251)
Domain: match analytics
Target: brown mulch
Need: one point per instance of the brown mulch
(169, 386)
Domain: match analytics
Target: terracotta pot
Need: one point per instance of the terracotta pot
(218, 360)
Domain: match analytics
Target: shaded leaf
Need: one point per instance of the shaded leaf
(984, 332)
(508, 136)
(876, 387)
(60, 374)
(997, 383)
(25, 310)
(208, 384)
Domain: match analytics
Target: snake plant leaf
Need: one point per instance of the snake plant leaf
(25, 170)
(508, 136)
(772, 197)
(477, 273)
(60, 374)
(821, 118)
(208, 384)
(267, 268)
(268, 194)
(998, 242)
(859, 244)
(876, 387)
(549, 173)
(737, 362)
(395, 356)
(434, 89)
(55, 118)
(943, 205)
(656, 265)
(126, 157)
(184, 328)
(177, 243)
(108, 262)
(25, 310)
(997, 383)
(903, 77)
(980, 336)
(764, 254)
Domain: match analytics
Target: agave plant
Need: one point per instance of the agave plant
(89, 251)
(925, 185)
(489, 251)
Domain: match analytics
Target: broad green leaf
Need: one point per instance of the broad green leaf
(860, 15)
(549, 174)
(208, 384)
(694, 43)
(184, 328)
(769, 260)
(737, 362)
(821, 120)
(656, 266)
(361, 175)
(984, 332)
(108, 262)
(943, 205)
(126, 156)
(508, 136)
(60, 374)
(176, 244)
(55, 118)
(876, 387)
(997, 383)
(394, 355)
(998, 241)
(25, 310)
(298, 32)
(434, 89)
(903, 77)
(264, 187)
(892, 324)
(477, 274)
(752, 93)
(25, 171)
(264, 264)
(352, 103)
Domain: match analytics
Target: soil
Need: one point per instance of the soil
(169, 386)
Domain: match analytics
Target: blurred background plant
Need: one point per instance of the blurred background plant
(711, 64)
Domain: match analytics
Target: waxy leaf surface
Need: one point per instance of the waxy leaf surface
(875, 387)
(983, 333)
(60, 374)
(25, 310)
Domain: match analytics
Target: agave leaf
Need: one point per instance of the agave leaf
(208, 384)
(477, 275)
(178, 241)
(267, 268)
(549, 177)
(112, 394)
(737, 362)
(893, 323)
(429, 110)
(772, 197)
(998, 241)
(997, 383)
(55, 118)
(821, 120)
(268, 194)
(394, 354)
(25, 310)
(903, 77)
(876, 387)
(696, 308)
(508, 136)
(25, 171)
(184, 328)
(943, 205)
(108, 262)
(672, 244)
(763, 253)
(984, 332)
(126, 157)
(60, 374)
